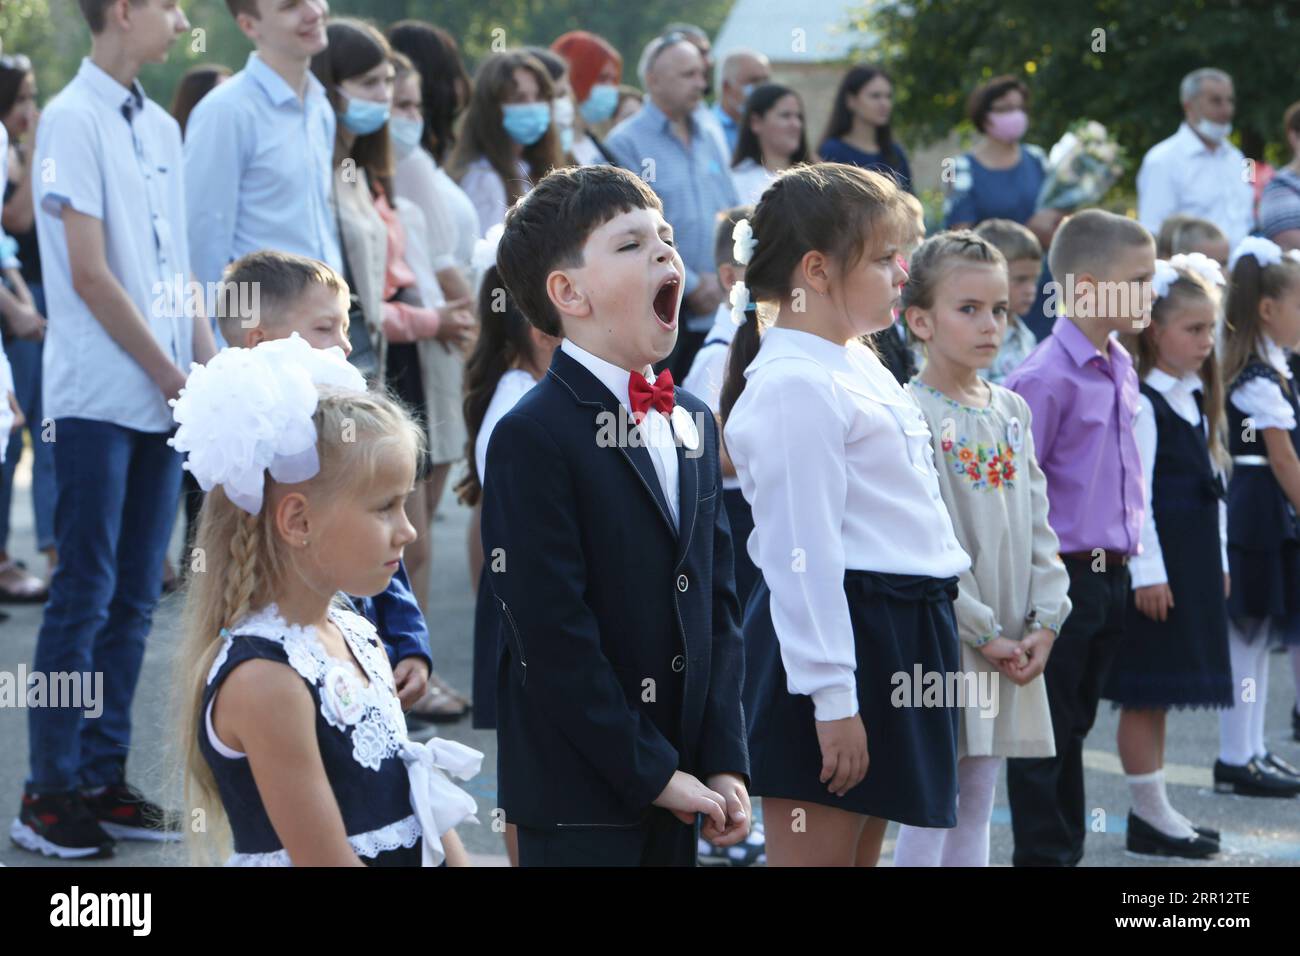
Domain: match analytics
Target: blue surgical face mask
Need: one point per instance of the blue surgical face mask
(406, 135)
(526, 123)
(363, 117)
(600, 103)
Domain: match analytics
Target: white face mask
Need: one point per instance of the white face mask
(1214, 132)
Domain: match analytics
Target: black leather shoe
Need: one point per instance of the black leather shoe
(1209, 834)
(1276, 763)
(1145, 839)
(1253, 780)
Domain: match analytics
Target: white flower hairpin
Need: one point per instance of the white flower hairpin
(484, 256)
(742, 250)
(1165, 276)
(249, 411)
(1265, 251)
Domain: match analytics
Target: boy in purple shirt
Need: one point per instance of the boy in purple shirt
(1083, 392)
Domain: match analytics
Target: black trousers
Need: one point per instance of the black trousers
(1048, 813)
(662, 840)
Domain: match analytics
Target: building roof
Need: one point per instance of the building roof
(769, 26)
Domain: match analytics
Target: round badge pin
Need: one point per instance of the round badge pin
(1015, 434)
(343, 691)
(685, 428)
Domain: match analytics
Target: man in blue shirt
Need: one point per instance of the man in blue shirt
(739, 73)
(259, 148)
(667, 147)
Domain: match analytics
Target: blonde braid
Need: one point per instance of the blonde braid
(243, 576)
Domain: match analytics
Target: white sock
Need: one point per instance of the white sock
(1236, 747)
(968, 843)
(1260, 708)
(919, 846)
(1151, 803)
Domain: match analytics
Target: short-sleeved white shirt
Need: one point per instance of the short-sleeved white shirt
(126, 173)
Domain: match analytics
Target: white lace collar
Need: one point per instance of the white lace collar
(1275, 356)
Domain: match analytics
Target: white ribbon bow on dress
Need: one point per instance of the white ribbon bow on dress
(438, 803)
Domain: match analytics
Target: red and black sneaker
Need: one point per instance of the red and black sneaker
(124, 813)
(60, 825)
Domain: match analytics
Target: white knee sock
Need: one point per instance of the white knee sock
(1260, 707)
(919, 846)
(968, 843)
(1151, 803)
(1236, 746)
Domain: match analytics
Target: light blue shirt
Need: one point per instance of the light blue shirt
(730, 128)
(693, 182)
(113, 154)
(258, 171)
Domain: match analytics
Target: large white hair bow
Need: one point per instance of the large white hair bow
(1265, 251)
(1201, 264)
(249, 411)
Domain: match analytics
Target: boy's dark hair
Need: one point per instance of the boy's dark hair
(279, 278)
(547, 228)
(724, 247)
(93, 11)
(981, 100)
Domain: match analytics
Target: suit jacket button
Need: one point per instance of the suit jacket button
(679, 664)
(682, 583)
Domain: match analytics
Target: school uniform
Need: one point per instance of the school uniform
(394, 799)
(1183, 660)
(858, 562)
(513, 385)
(621, 659)
(1083, 403)
(708, 372)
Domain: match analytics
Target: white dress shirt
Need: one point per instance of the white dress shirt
(835, 459)
(127, 173)
(1183, 175)
(1261, 399)
(1148, 567)
(709, 369)
(751, 179)
(258, 167)
(513, 385)
(655, 431)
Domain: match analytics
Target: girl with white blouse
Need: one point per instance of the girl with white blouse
(858, 557)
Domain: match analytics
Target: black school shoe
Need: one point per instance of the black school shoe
(59, 825)
(1255, 779)
(1272, 760)
(1146, 840)
(124, 813)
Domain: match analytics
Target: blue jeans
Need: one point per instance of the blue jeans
(25, 357)
(117, 495)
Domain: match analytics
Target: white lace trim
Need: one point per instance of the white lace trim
(379, 731)
(403, 834)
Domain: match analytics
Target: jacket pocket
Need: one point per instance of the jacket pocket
(517, 642)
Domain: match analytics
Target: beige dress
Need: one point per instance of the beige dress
(997, 497)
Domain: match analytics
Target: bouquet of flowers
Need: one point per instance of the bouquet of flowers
(1081, 168)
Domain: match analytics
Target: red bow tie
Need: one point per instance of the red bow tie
(644, 395)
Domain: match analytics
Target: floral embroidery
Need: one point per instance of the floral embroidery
(986, 467)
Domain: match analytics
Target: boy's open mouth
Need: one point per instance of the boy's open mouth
(665, 301)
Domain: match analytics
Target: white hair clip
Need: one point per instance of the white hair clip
(742, 236)
(484, 256)
(739, 303)
(1165, 276)
(249, 411)
(1265, 251)
(1201, 264)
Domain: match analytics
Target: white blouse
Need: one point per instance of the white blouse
(1148, 567)
(514, 385)
(486, 190)
(751, 178)
(1262, 400)
(834, 458)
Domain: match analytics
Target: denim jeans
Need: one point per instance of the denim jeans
(116, 504)
(25, 357)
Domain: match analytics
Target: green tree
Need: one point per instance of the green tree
(1114, 61)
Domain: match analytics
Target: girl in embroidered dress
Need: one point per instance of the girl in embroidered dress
(1011, 602)
(295, 741)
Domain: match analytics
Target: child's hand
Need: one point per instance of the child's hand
(732, 788)
(1001, 649)
(685, 796)
(844, 753)
(19, 419)
(1036, 647)
(1154, 601)
(412, 678)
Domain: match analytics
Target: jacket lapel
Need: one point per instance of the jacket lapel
(589, 391)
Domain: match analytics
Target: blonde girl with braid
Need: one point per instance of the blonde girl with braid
(295, 746)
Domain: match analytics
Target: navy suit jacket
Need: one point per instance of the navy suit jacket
(397, 617)
(620, 652)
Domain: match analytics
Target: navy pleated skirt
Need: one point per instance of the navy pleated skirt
(741, 519)
(899, 621)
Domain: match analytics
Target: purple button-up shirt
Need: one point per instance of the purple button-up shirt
(1084, 404)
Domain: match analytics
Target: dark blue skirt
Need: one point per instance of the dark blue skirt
(899, 621)
(487, 656)
(741, 519)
